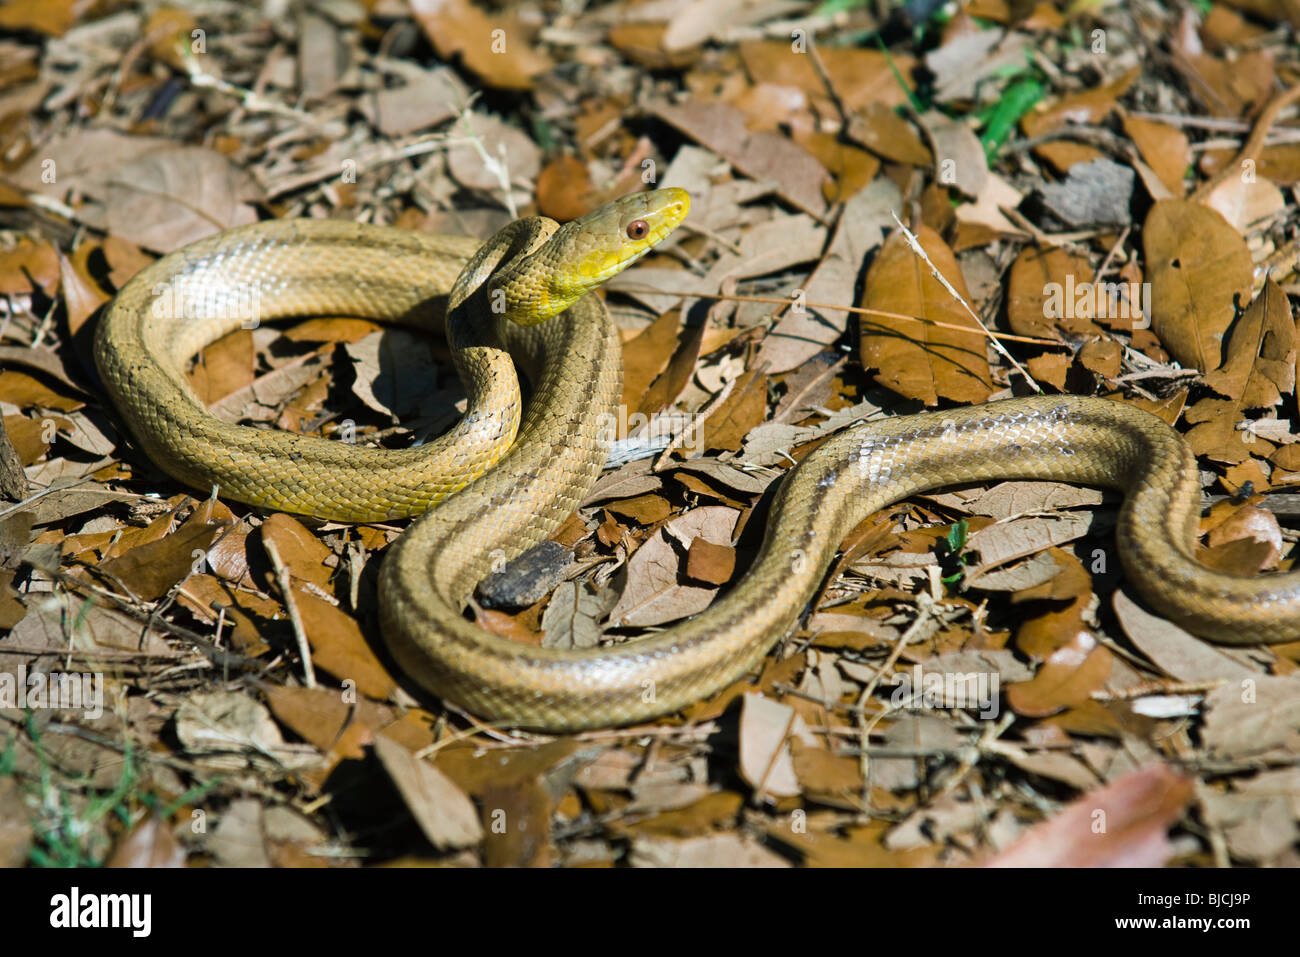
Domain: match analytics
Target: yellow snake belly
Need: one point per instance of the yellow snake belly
(510, 503)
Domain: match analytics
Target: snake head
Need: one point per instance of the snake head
(585, 252)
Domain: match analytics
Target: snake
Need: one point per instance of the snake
(513, 470)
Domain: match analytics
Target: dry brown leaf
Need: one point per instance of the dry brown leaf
(668, 385)
(426, 99)
(564, 189)
(81, 292)
(1177, 653)
(1043, 289)
(642, 44)
(1067, 677)
(913, 359)
(1248, 523)
(1253, 716)
(710, 563)
(51, 17)
(224, 366)
(307, 558)
(395, 372)
(28, 437)
(473, 775)
(1102, 357)
(652, 593)
(646, 356)
(959, 159)
(1124, 824)
(1258, 371)
(1198, 267)
(1228, 88)
(765, 760)
(500, 142)
(27, 262)
(965, 62)
(827, 777)
(1279, 164)
(1091, 105)
(125, 259)
(150, 570)
(572, 619)
(1245, 202)
(493, 48)
(1164, 147)
(727, 425)
(1258, 816)
(149, 844)
(445, 815)
(229, 729)
(859, 76)
(339, 647)
(237, 840)
(761, 156)
(1006, 541)
(642, 509)
(174, 196)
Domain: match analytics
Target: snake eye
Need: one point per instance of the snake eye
(638, 229)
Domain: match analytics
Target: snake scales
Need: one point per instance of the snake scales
(519, 491)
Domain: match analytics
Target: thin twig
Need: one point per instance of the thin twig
(286, 591)
(1254, 143)
(837, 307)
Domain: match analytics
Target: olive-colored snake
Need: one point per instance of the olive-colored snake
(516, 499)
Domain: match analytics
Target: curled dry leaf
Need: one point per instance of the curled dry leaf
(1258, 371)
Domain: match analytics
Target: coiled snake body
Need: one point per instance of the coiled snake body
(517, 491)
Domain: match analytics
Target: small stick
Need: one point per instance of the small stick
(282, 578)
(855, 310)
(1254, 143)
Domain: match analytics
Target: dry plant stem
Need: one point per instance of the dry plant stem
(971, 756)
(1110, 254)
(1254, 143)
(295, 618)
(925, 621)
(855, 310)
(129, 606)
(710, 407)
(497, 166)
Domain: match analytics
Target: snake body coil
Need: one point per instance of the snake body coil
(515, 495)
